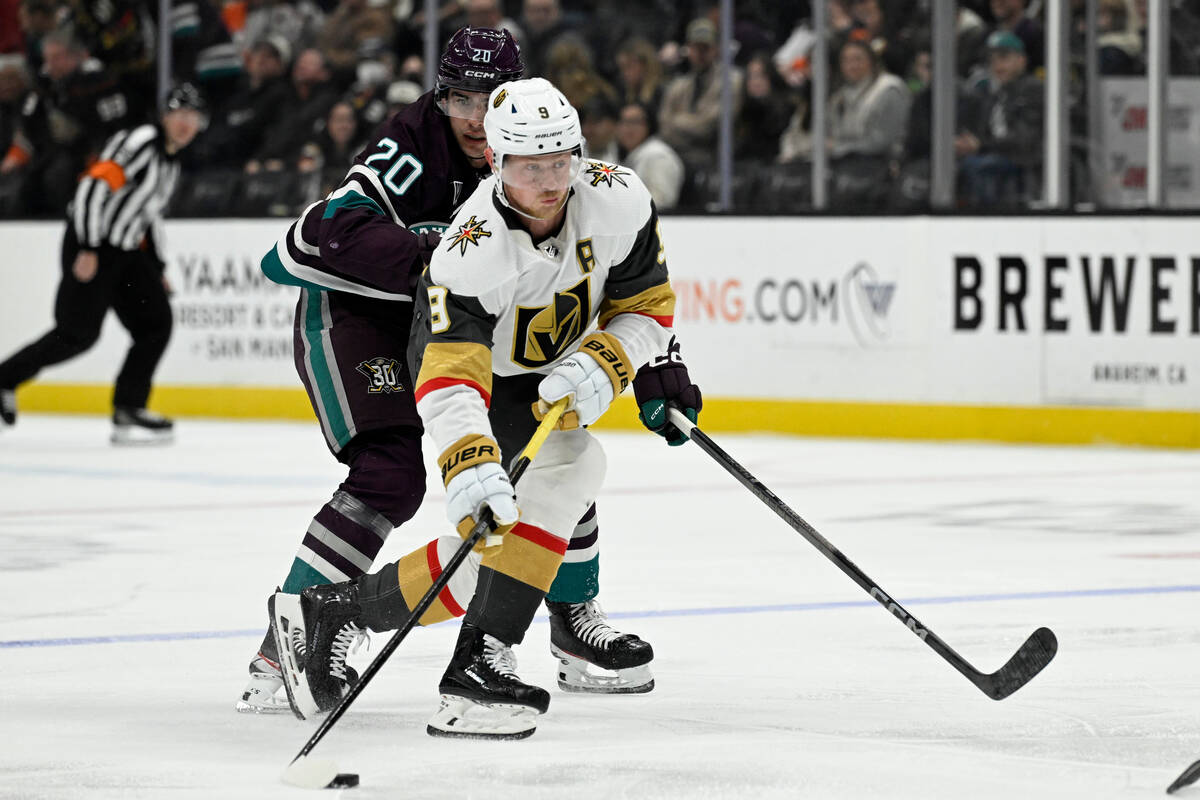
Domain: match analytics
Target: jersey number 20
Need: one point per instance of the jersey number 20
(406, 160)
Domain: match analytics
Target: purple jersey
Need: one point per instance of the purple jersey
(355, 256)
(362, 238)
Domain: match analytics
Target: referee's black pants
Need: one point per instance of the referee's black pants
(128, 282)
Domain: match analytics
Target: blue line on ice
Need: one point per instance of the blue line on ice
(670, 612)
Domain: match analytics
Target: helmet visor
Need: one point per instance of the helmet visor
(464, 105)
(553, 172)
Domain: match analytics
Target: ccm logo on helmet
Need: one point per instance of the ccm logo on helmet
(474, 73)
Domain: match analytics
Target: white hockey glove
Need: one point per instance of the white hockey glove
(474, 479)
(592, 376)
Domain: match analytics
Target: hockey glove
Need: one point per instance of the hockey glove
(474, 478)
(592, 376)
(664, 381)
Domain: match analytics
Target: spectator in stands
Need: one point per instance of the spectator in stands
(691, 105)
(297, 21)
(241, 122)
(308, 100)
(328, 155)
(867, 114)
(886, 35)
(543, 23)
(401, 94)
(77, 105)
(368, 94)
(1118, 42)
(1182, 59)
(659, 167)
(766, 111)
(120, 35)
(569, 67)
(641, 74)
(972, 35)
(1001, 153)
(38, 18)
(202, 50)
(489, 14)
(1011, 18)
(355, 26)
(598, 121)
(14, 86)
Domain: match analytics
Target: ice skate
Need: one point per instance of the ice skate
(316, 632)
(8, 407)
(264, 693)
(132, 426)
(482, 697)
(592, 657)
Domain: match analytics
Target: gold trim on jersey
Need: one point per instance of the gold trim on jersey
(541, 334)
(456, 361)
(657, 301)
(527, 561)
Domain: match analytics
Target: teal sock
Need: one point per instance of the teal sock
(576, 582)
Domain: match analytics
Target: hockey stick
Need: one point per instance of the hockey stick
(1028, 661)
(1186, 778)
(317, 774)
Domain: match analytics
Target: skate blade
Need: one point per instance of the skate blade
(284, 608)
(463, 718)
(243, 707)
(262, 696)
(141, 438)
(582, 677)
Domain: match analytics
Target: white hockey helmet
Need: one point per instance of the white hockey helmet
(530, 118)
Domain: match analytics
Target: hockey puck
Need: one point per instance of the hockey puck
(344, 780)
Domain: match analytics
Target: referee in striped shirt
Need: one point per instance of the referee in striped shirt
(111, 259)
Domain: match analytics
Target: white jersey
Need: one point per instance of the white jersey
(500, 304)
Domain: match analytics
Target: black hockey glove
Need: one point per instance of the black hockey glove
(664, 381)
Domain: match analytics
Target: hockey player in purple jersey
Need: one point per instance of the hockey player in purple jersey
(356, 256)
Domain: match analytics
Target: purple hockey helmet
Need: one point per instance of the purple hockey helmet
(479, 60)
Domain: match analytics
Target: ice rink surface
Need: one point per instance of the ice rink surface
(134, 587)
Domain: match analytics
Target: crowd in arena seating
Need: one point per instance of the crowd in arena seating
(295, 88)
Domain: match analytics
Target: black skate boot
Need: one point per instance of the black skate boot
(580, 637)
(315, 631)
(139, 426)
(8, 406)
(482, 697)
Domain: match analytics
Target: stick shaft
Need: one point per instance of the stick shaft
(482, 527)
(997, 686)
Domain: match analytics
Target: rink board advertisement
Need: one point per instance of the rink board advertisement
(911, 326)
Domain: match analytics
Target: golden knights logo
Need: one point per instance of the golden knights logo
(543, 333)
(381, 375)
(605, 173)
(470, 232)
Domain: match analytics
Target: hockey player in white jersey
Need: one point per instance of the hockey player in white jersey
(551, 282)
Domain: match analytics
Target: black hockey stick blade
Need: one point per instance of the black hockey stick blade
(1028, 661)
(1189, 776)
(322, 773)
(1033, 656)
